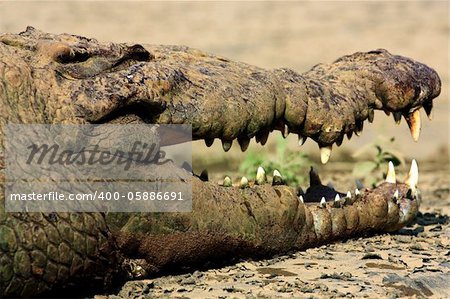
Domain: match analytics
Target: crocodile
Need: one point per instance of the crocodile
(68, 79)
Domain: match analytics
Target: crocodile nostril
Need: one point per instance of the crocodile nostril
(58, 52)
(61, 53)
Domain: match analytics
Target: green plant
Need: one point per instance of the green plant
(373, 170)
(290, 163)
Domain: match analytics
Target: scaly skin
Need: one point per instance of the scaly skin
(48, 78)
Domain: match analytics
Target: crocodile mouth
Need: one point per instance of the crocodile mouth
(317, 192)
(405, 196)
(235, 102)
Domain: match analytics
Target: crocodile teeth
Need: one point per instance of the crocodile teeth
(390, 177)
(323, 202)
(428, 109)
(301, 199)
(395, 195)
(227, 182)
(277, 178)
(414, 124)
(227, 145)
(262, 137)
(209, 142)
(371, 115)
(300, 191)
(397, 117)
(339, 140)
(413, 176)
(357, 193)
(325, 153)
(359, 128)
(301, 140)
(243, 142)
(261, 178)
(349, 194)
(285, 132)
(349, 134)
(243, 183)
(337, 201)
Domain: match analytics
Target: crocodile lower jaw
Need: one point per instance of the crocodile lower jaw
(260, 219)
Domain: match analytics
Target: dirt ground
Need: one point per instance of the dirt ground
(412, 262)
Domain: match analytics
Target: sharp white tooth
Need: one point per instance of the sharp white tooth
(349, 194)
(413, 176)
(337, 197)
(397, 117)
(277, 178)
(323, 202)
(390, 177)
(227, 145)
(227, 182)
(414, 124)
(301, 198)
(244, 183)
(301, 140)
(286, 131)
(396, 195)
(357, 192)
(261, 178)
(337, 201)
(209, 141)
(325, 153)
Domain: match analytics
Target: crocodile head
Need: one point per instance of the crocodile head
(48, 78)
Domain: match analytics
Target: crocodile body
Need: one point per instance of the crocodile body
(67, 79)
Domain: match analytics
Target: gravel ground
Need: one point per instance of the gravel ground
(414, 262)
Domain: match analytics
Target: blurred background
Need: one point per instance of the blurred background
(297, 35)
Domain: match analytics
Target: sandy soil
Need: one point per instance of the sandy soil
(412, 262)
